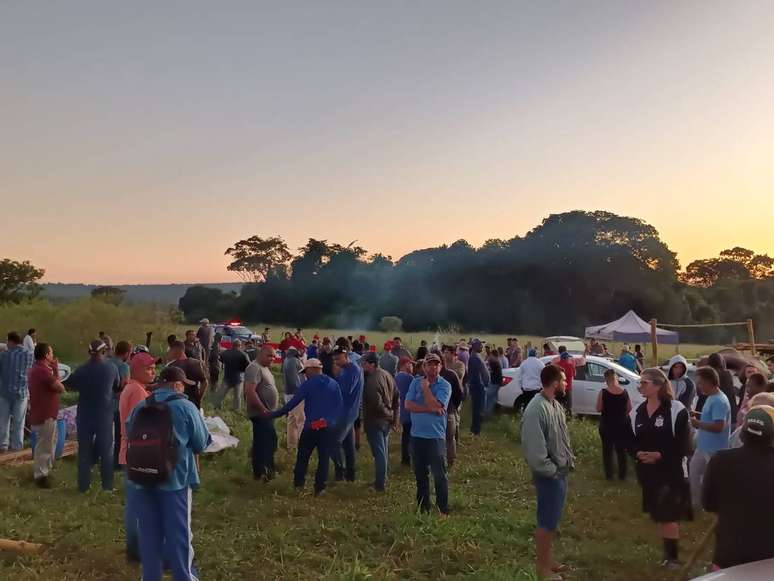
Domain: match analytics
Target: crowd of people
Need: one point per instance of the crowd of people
(689, 440)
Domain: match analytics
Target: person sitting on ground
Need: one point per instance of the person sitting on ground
(614, 406)
(45, 387)
(321, 397)
(682, 386)
(738, 485)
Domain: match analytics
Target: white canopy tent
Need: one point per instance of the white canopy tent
(630, 329)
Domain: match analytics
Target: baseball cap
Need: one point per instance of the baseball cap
(475, 343)
(370, 357)
(462, 345)
(532, 352)
(97, 345)
(340, 350)
(312, 362)
(140, 349)
(432, 357)
(172, 374)
(141, 360)
(204, 321)
(388, 346)
(760, 422)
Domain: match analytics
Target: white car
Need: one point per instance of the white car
(757, 571)
(64, 372)
(575, 345)
(589, 380)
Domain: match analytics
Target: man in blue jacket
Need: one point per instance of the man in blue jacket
(478, 380)
(322, 406)
(164, 510)
(350, 380)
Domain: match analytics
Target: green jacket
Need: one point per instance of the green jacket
(380, 400)
(544, 438)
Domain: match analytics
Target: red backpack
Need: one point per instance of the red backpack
(151, 454)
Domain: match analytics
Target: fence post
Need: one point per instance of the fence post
(654, 342)
(751, 335)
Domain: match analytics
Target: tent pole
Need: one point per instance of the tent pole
(654, 342)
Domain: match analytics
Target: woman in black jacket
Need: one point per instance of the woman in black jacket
(662, 435)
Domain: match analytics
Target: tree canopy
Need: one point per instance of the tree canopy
(18, 280)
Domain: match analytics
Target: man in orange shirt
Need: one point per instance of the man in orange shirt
(45, 387)
(142, 369)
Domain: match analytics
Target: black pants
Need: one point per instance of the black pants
(523, 400)
(430, 456)
(613, 443)
(323, 440)
(405, 444)
(264, 446)
(478, 395)
(116, 440)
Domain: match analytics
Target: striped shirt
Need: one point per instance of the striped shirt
(14, 365)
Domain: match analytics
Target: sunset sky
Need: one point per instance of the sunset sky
(140, 139)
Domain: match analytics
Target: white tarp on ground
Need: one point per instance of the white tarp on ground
(221, 435)
(630, 329)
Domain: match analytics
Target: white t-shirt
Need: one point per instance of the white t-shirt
(530, 374)
(29, 343)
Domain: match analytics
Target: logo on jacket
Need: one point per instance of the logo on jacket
(660, 421)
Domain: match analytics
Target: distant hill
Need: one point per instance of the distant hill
(165, 294)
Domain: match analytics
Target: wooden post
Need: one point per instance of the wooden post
(654, 342)
(751, 335)
(19, 546)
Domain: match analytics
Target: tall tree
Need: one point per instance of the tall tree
(18, 280)
(108, 294)
(255, 257)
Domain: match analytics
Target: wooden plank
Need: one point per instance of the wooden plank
(25, 456)
(19, 546)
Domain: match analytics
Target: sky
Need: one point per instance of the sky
(139, 140)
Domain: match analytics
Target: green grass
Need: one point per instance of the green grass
(245, 530)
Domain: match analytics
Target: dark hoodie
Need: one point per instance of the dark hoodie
(717, 362)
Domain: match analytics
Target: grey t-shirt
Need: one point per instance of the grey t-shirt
(265, 387)
(291, 369)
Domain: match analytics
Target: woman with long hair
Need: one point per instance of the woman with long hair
(662, 435)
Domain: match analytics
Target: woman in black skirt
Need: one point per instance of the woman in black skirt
(662, 435)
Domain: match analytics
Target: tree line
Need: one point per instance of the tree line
(572, 270)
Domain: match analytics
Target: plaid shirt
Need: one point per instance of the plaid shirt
(14, 365)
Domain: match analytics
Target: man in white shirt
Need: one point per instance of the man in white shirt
(530, 379)
(29, 341)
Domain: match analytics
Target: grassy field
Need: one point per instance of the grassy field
(245, 530)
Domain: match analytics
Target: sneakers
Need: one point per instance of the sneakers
(670, 564)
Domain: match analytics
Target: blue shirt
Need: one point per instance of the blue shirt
(350, 381)
(628, 361)
(191, 437)
(322, 400)
(716, 408)
(425, 424)
(403, 381)
(14, 365)
(96, 381)
(478, 374)
(311, 352)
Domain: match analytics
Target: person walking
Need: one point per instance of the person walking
(235, 362)
(44, 387)
(427, 400)
(478, 380)
(662, 436)
(389, 361)
(614, 407)
(15, 362)
(164, 509)
(403, 380)
(495, 382)
(713, 426)
(321, 397)
(142, 372)
(261, 397)
(531, 368)
(205, 334)
(292, 368)
(350, 380)
(96, 381)
(381, 413)
(547, 451)
(193, 369)
(738, 485)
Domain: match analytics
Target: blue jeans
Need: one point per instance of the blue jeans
(491, 398)
(264, 446)
(130, 520)
(379, 441)
(429, 455)
(164, 519)
(551, 493)
(95, 439)
(12, 410)
(307, 442)
(478, 396)
(343, 455)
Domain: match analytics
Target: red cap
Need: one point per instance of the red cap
(372, 348)
(388, 346)
(141, 360)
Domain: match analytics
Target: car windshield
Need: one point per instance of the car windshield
(238, 331)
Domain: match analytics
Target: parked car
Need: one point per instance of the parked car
(757, 571)
(589, 380)
(233, 330)
(64, 371)
(575, 345)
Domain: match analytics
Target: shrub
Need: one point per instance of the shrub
(391, 324)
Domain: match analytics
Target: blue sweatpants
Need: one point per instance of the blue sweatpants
(95, 439)
(165, 533)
